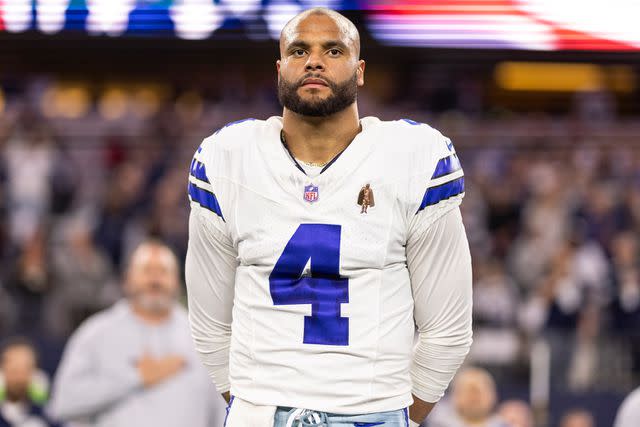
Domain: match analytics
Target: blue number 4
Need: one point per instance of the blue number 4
(324, 289)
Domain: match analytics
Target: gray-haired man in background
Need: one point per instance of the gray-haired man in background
(134, 364)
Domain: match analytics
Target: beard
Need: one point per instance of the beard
(342, 95)
(160, 302)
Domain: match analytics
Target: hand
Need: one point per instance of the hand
(155, 370)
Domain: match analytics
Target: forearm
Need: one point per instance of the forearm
(419, 410)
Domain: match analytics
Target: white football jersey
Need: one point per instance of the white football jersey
(315, 270)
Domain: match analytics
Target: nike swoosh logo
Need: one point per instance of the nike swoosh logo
(367, 424)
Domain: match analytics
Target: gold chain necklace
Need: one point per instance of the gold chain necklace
(313, 164)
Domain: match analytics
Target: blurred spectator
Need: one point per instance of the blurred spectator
(629, 412)
(545, 220)
(556, 301)
(626, 279)
(29, 283)
(116, 219)
(577, 418)
(170, 213)
(83, 276)
(30, 157)
(583, 366)
(7, 312)
(603, 214)
(63, 183)
(23, 388)
(134, 364)
(625, 305)
(516, 413)
(4, 193)
(495, 301)
(473, 400)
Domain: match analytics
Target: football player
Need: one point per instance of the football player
(302, 308)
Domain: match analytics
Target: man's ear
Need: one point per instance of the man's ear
(360, 72)
(278, 68)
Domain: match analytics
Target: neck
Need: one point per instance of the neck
(150, 317)
(320, 139)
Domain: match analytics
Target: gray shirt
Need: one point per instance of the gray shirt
(98, 380)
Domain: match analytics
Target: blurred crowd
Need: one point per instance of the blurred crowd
(552, 211)
(553, 221)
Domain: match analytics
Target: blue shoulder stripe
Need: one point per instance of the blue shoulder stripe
(205, 198)
(198, 170)
(446, 166)
(435, 195)
(234, 123)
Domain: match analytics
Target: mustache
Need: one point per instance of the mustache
(157, 286)
(331, 84)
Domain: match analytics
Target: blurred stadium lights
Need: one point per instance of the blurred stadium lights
(496, 24)
(189, 105)
(563, 77)
(16, 15)
(69, 101)
(514, 24)
(113, 103)
(109, 16)
(277, 14)
(51, 15)
(148, 99)
(196, 19)
(241, 7)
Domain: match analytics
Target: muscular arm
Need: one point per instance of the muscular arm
(210, 275)
(440, 266)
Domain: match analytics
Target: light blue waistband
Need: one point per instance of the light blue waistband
(297, 417)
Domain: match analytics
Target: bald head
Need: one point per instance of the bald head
(577, 418)
(319, 70)
(516, 413)
(347, 29)
(474, 394)
(150, 251)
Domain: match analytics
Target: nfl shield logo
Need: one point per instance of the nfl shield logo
(311, 193)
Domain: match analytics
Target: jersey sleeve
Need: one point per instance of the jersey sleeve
(438, 185)
(439, 265)
(209, 269)
(629, 412)
(200, 188)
